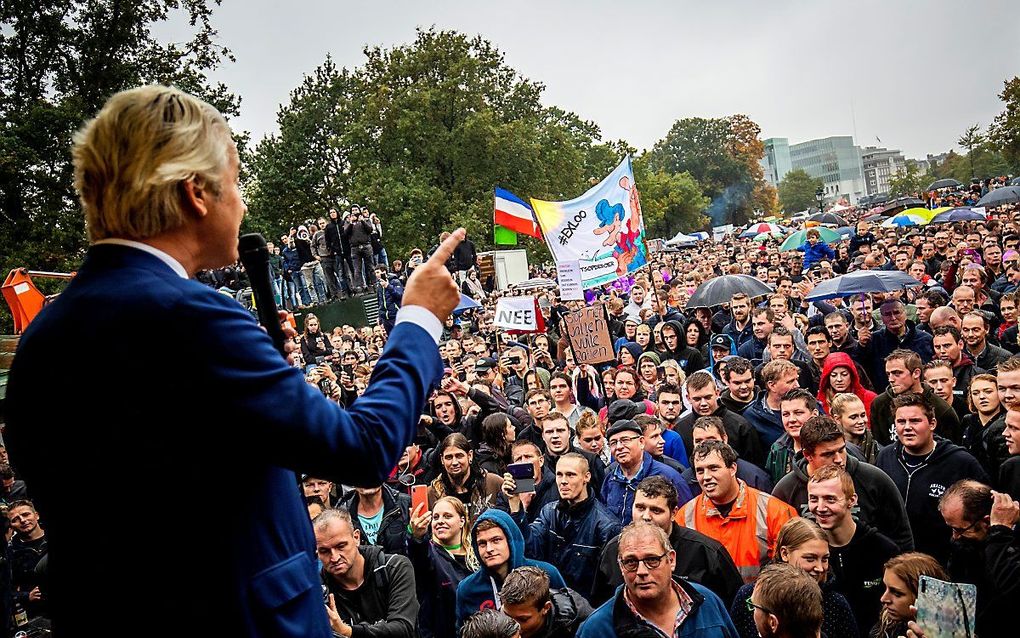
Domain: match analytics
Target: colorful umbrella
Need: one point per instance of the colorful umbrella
(904, 220)
(767, 236)
(796, 239)
(757, 229)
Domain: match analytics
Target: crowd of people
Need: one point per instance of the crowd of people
(771, 466)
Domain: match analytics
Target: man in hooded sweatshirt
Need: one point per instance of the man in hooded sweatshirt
(878, 502)
(923, 466)
(675, 339)
(499, 545)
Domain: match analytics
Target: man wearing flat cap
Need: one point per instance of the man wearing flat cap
(631, 465)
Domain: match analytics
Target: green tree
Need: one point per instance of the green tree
(797, 191)
(723, 155)
(1005, 130)
(909, 181)
(422, 134)
(971, 139)
(670, 202)
(59, 62)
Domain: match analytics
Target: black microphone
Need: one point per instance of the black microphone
(255, 257)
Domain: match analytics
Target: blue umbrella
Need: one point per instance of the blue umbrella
(861, 282)
(466, 303)
(846, 231)
(957, 215)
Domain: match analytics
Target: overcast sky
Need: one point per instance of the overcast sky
(918, 72)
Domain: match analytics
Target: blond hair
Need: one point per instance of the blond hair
(130, 161)
(841, 402)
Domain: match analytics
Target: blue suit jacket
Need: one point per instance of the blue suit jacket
(160, 432)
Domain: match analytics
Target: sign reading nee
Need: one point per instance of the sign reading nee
(517, 314)
(589, 337)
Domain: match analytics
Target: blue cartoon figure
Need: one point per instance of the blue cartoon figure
(624, 237)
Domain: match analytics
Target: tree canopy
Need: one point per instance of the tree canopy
(59, 62)
(797, 191)
(422, 134)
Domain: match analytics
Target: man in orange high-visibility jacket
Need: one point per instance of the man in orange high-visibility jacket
(745, 520)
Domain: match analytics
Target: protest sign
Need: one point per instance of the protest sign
(569, 275)
(588, 332)
(601, 229)
(518, 314)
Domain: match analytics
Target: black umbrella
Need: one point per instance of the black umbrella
(719, 291)
(900, 203)
(1000, 196)
(876, 217)
(827, 218)
(947, 182)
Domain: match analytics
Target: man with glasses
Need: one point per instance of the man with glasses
(745, 520)
(632, 465)
(984, 552)
(786, 603)
(651, 594)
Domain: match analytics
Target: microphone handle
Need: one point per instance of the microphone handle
(265, 303)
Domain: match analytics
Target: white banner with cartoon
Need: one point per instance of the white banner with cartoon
(602, 229)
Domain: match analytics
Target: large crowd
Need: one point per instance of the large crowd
(767, 466)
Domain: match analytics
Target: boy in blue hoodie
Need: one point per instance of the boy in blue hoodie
(814, 249)
(499, 545)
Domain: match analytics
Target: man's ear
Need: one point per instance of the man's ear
(195, 197)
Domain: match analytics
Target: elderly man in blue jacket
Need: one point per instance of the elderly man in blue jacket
(651, 595)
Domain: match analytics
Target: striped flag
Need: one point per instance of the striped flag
(512, 212)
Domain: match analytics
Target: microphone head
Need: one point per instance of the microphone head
(252, 245)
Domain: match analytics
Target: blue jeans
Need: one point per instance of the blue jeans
(299, 284)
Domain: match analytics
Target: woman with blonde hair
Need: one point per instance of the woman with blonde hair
(852, 415)
(440, 562)
(803, 544)
(902, 573)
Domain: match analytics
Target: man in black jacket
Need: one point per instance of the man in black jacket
(698, 558)
(381, 515)
(369, 592)
(541, 612)
(923, 466)
(985, 551)
(341, 264)
(878, 502)
(857, 552)
(359, 234)
(704, 397)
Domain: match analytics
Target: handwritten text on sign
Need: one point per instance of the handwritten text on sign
(589, 335)
(516, 313)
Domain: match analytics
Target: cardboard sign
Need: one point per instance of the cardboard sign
(569, 275)
(517, 314)
(588, 332)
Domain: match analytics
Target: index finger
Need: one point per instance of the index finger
(445, 250)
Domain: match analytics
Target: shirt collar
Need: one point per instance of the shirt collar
(155, 252)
